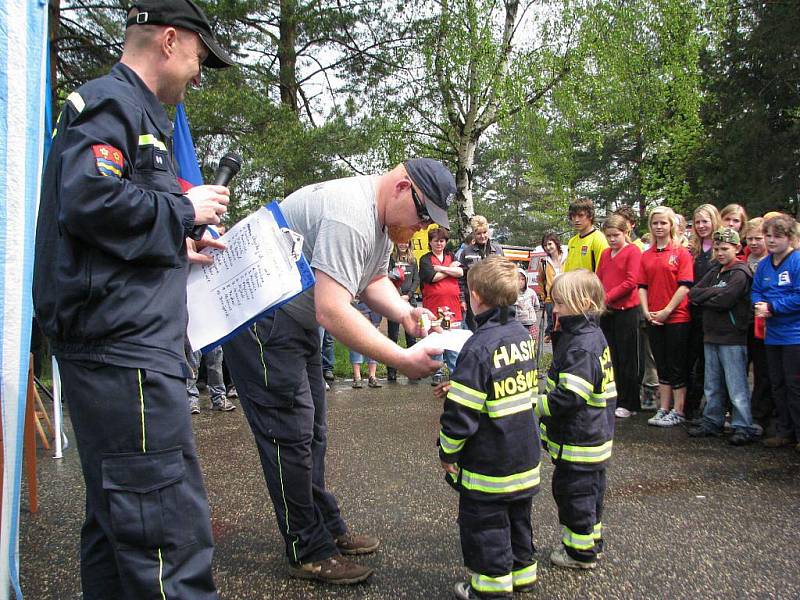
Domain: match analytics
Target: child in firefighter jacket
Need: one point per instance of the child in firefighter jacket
(577, 417)
(488, 443)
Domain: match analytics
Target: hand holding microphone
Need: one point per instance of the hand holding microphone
(211, 201)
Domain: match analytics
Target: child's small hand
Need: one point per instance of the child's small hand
(440, 391)
(449, 467)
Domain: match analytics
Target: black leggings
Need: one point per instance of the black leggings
(621, 328)
(668, 343)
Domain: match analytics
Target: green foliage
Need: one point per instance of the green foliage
(751, 115)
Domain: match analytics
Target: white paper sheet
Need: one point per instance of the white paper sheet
(448, 339)
(255, 271)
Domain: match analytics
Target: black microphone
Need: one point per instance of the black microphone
(228, 166)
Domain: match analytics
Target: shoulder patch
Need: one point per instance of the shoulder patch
(108, 160)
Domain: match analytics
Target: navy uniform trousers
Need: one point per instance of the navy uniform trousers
(497, 544)
(579, 497)
(147, 532)
(276, 367)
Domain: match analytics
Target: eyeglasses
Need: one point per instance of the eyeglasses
(422, 212)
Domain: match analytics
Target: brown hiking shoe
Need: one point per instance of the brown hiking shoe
(777, 442)
(350, 543)
(334, 569)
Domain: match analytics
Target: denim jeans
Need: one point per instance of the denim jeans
(548, 310)
(326, 350)
(449, 359)
(726, 368)
(214, 379)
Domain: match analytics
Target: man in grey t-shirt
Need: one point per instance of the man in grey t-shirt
(349, 226)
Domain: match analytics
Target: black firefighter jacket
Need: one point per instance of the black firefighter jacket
(488, 426)
(577, 412)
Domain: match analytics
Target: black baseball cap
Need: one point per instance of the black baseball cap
(186, 15)
(437, 185)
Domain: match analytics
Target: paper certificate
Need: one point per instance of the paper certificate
(448, 339)
(261, 267)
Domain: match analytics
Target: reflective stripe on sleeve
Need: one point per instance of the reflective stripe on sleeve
(599, 400)
(597, 533)
(450, 445)
(466, 396)
(500, 485)
(576, 384)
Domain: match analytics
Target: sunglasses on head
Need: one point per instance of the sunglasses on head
(422, 212)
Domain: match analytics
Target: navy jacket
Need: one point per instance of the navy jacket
(111, 266)
(488, 425)
(577, 413)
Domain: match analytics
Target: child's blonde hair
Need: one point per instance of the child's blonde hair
(753, 225)
(674, 235)
(478, 223)
(618, 221)
(711, 211)
(580, 291)
(496, 281)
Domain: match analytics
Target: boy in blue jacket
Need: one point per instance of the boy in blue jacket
(776, 297)
(488, 443)
(577, 417)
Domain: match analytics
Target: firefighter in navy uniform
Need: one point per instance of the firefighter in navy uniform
(488, 443)
(110, 293)
(577, 417)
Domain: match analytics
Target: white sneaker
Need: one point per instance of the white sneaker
(671, 420)
(623, 413)
(656, 418)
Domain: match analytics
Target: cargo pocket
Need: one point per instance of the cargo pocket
(147, 498)
(483, 533)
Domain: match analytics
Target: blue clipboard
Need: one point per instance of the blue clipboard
(307, 280)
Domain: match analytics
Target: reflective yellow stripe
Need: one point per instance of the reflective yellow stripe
(524, 576)
(149, 139)
(283, 495)
(597, 533)
(579, 541)
(77, 102)
(161, 575)
(575, 384)
(587, 454)
(477, 394)
(544, 407)
(509, 405)
(261, 354)
(552, 447)
(497, 585)
(466, 396)
(549, 385)
(141, 404)
(450, 445)
(500, 485)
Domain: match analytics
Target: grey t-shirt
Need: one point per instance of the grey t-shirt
(343, 237)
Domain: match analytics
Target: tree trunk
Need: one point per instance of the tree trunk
(464, 205)
(287, 55)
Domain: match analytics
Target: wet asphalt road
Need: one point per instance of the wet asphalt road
(684, 518)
